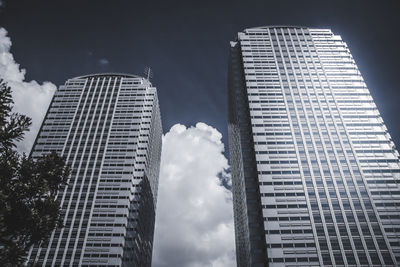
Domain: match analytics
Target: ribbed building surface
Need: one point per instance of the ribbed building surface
(315, 171)
(108, 128)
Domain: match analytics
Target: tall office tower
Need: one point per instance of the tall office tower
(108, 128)
(315, 171)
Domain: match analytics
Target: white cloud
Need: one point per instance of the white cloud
(194, 222)
(30, 98)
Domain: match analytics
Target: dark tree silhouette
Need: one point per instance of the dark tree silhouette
(29, 210)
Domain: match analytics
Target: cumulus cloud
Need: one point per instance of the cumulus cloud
(194, 221)
(30, 98)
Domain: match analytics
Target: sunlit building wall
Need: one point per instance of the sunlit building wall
(315, 172)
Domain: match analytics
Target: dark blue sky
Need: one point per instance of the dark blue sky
(186, 44)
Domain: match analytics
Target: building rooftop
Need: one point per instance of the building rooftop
(123, 75)
(278, 26)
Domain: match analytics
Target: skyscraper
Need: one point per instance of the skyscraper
(315, 172)
(108, 128)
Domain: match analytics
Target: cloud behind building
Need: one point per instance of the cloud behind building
(30, 97)
(194, 221)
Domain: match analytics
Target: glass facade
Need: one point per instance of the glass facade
(315, 172)
(108, 128)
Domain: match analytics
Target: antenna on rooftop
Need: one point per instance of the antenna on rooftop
(148, 73)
